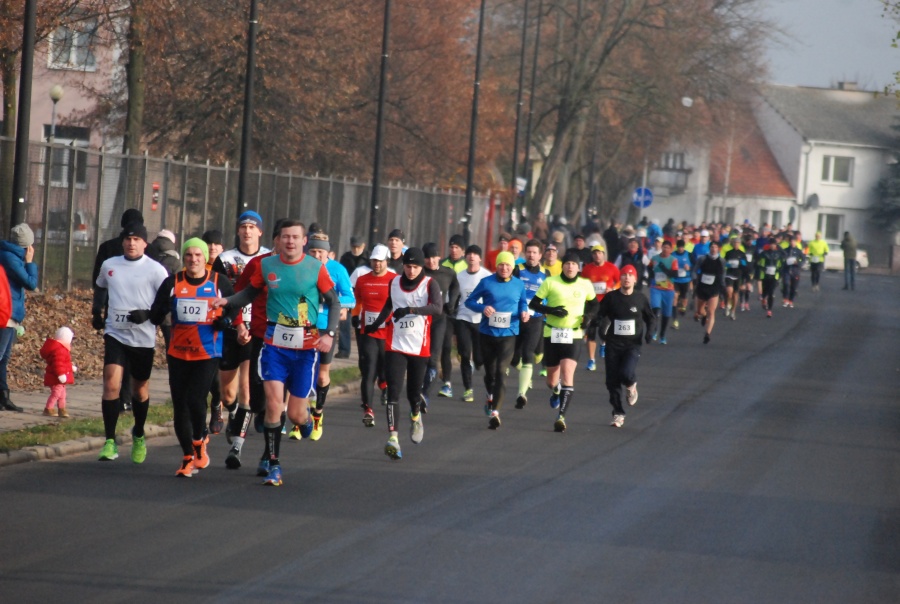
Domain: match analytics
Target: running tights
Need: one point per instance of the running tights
(189, 384)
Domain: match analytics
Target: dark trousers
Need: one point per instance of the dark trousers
(529, 342)
(371, 365)
(815, 272)
(447, 349)
(768, 291)
(621, 370)
(849, 274)
(344, 340)
(468, 346)
(189, 385)
(397, 366)
(497, 353)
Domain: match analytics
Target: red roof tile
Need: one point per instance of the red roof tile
(754, 171)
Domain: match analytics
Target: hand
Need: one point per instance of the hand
(343, 314)
(62, 379)
(400, 313)
(370, 329)
(219, 302)
(138, 316)
(558, 311)
(243, 334)
(29, 254)
(74, 369)
(524, 317)
(354, 322)
(221, 323)
(487, 311)
(97, 321)
(324, 343)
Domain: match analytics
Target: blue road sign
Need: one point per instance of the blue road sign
(642, 197)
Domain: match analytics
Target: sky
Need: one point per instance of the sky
(833, 41)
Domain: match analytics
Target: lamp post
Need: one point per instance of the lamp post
(247, 130)
(20, 170)
(515, 158)
(473, 133)
(379, 126)
(56, 93)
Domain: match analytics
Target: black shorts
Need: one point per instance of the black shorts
(554, 353)
(682, 289)
(325, 358)
(705, 292)
(233, 354)
(138, 360)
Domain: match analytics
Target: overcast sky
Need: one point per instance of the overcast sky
(833, 41)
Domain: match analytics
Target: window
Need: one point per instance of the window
(671, 161)
(837, 170)
(776, 220)
(71, 45)
(763, 218)
(830, 225)
(72, 136)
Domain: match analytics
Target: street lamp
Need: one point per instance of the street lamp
(56, 93)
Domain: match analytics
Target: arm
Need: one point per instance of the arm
(455, 295)
(472, 302)
(331, 300)
(537, 305)
(435, 302)
(24, 274)
(162, 304)
(382, 316)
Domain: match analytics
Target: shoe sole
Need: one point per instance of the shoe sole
(273, 483)
(114, 457)
(521, 402)
(393, 452)
(233, 462)
(494, 423)
(448, 395)
(369, 422)
(559, 426)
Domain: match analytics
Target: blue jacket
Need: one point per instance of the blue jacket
(503, 296)
(342, 286)
(21, 276)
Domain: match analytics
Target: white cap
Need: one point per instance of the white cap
(704, 233)
(167, 234)
(379, 252)
(64, 335)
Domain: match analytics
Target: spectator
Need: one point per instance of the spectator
(848, 244)
(351, 260)
(60, 371)
(16, 258)
(215, 241)
(162, 249)
(611, 236)
(540, 229)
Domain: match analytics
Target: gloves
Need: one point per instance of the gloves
(370, 329)
(62, 379)
(354, 321)
(20, 331)
(97, 321)
(221, 323)
(557, 311)
(138, 316)
(400, 313)
(74, 369)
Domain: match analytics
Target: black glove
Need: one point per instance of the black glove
(648, 338)
(97, 321)
(354, 321)
(221, 323)
(557, 311)
(400, 313)
(138, 316)
(370, 329)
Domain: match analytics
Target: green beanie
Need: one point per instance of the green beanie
(196, 242)
(506, 258)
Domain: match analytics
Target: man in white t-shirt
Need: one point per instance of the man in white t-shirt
(125, 288)
(468, 340)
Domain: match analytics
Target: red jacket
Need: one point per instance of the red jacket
(5, 300)
(59, 362)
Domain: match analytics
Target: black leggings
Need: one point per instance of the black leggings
(468, 346)
(768, 291)
(447, 348)
(396, 364)
(815, 272)
(621, 368)
(257, 391)
(189, 384)
(371, 365)
(529, 342)
(497, 353)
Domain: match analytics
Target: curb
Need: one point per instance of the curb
(94, 443)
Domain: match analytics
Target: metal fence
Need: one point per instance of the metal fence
(76, 197)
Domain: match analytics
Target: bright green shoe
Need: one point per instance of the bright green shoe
(109, 451)
(318, 420)
(138, 449)
(543, 372)
(469, 396)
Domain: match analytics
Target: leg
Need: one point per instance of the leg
(464, 347)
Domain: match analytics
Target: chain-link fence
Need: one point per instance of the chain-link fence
(76, 197)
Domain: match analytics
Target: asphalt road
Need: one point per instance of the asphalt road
(762, 467)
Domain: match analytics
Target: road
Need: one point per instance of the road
(762, 467)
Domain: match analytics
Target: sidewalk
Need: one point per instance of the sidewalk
(83, 401)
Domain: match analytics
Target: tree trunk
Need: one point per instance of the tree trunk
(8, 74)
(130, 185)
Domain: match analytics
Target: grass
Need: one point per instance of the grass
(61, 431)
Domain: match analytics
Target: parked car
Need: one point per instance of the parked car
(834, 261)
(58, 228)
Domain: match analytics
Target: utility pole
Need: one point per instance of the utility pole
(473, 133)
(247, 130)
(379, 126)
(23, 134)
(514, 187)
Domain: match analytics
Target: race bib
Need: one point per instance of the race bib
(734, 263)
(770, 270)
(561, 335)
(119, 319)
(749, 257)
(624, 328)
(191, 311)
(682, 272)
(600, 288)
(791, 261)
(815, 259)
(245, 313)
(409, 325)
(369, 317)
(707, 279)
(661, 280)
(288, 337)
(500, 320)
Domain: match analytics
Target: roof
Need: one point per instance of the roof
(855, 117)
(754, 170)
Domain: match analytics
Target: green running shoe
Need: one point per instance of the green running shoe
(138, 449)
(469, 396)
(109, 451)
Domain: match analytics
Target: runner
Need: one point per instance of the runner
(683, 281)
(530, 341)
(234, 367)
(467, 321)
(631, 318)
(213, 239)
(195, 347)
(710, 273)
(748, 270)
(768, 265)
(793, 261)
(414, 299)
(735, 269)
(551, 262)
(664, 268)
(634, 256)
(818, 249)
(457, 262)
(500, 300)
(569, 303)
(604, 276)
(295, 282)
(125, 289)
(449, 284)
(371, 291)
(395, 244)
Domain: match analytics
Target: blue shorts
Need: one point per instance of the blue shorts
(662, 299)
(296, 369)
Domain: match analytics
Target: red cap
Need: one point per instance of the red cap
(628, 269)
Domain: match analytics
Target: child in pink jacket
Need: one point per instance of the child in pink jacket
(56, 351)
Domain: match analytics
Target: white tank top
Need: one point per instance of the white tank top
(412, 334)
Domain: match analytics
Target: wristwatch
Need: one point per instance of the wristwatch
(330, 333)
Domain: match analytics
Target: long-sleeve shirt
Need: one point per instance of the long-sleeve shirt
(506, 297)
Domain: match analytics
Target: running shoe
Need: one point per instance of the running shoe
(487, 408)
(233, 461)
(662, 341)
(602, 356)
(676, 324)
(468, 396)
(554, 400)
(416, 429)
(318, 420)
(706, 338)
(560, 424)
(591, 365)
(521, 401)
(307, 428)
(655, 337)
(392, 448)
(201, 458)
(187, 467)
(543, 372)
(138, 449)
(215, 420)
(703, 321)
(263, 468)
(631, 395)
(728, 310)
(273, 478)
(109, 451)
(446, 390)
(494, 422)
(769, 314)
(295, 433)
(785, 303)
(618, 420)
(733, 315)
(284, 428)
(368, 418)
(790, 304)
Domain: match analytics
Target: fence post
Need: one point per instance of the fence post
(184, 192)
(101, 167)
(70, 206)
(206, 195)
(258, 189)
(272, 210)
(287, 211)
(48, 163)
(225, 197)
(144, 169)
(165, 193)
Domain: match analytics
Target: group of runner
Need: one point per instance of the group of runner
(258, 326)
